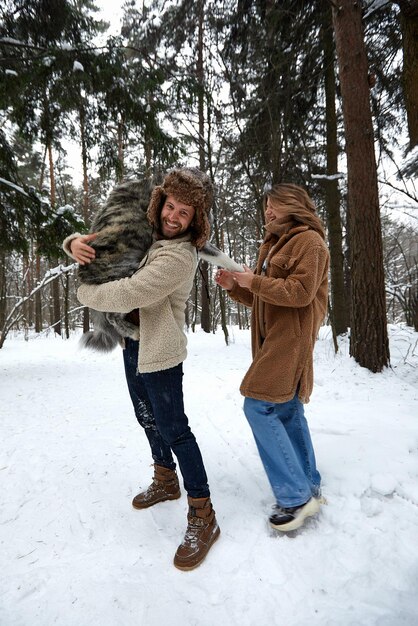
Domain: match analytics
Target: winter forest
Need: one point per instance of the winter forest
(254, 92)
(321, 94)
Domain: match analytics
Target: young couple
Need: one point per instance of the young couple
(288, 296)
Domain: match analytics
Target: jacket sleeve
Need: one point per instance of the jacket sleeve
(300, 287)
(241, 295)
(149, 285)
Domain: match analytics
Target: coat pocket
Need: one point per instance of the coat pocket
(281, 265)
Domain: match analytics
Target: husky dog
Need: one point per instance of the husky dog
(124, 237)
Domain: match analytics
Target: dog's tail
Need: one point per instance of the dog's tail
(99, 341)
(213, 255)
(104, 338)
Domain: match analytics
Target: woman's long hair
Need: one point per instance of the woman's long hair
(301, 207)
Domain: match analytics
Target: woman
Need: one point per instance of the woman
(288, 294)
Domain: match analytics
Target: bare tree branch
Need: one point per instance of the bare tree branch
(50, 276)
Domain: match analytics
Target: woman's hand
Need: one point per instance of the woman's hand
(243, 279)
(81, 251)
(224, 279)
(227, 279)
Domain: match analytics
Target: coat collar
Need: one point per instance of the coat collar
(278, 229)
(174, 240)
(273, 241)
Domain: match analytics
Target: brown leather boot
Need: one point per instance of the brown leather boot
(202, 531)
(164, 486)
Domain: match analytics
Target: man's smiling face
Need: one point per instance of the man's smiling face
(175, 217)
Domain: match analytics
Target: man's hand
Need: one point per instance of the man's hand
(224, 279)
(81, 251)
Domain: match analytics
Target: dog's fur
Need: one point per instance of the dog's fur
(125, 236)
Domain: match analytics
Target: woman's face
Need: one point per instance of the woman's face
(273, 211)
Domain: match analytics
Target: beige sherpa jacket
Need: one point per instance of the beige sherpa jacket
(159, 289)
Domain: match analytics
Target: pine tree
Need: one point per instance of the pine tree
(368, 339)
(39, 45)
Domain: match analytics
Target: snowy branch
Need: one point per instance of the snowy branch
(13, 186)
(327, 176)
(404, 191)
(60, 321)
(375, 5)
(51, 275)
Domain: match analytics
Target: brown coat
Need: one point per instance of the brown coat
(289, 302)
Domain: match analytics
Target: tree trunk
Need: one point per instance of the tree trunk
(28, 273)
(205, 320)
(38, 300)
(38, 294)
(56, 307)
(187, 314)
(121, 166)
(3, 299)
(30, 287)
(275, 110)
(222, 299)
(86, 201)
(195, 302)
(55, 284)
(84, 158)
(224, 319)
(409, 27)
(368, 340)
(66, 301)
(339, 317)
(148, 141)
(26, 290)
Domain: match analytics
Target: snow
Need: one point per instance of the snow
(13, 186)
(328, 176)
(78, 67)
(48, 61)
(75, 552)
(64, 209)
(66, 46)
(11, 41)
(59, 269)
(374, 5)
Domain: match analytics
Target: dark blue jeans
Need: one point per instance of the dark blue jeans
(157, 398)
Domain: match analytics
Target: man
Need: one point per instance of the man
(178, 211)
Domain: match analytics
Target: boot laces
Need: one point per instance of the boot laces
(191, 536)
(196, 522)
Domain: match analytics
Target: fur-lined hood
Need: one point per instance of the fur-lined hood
(193, 187)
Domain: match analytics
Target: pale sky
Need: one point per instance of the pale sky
(111, 11)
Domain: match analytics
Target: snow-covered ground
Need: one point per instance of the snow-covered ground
(75, 553)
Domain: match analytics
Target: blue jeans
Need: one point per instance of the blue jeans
(284, 443)
(157, 398)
